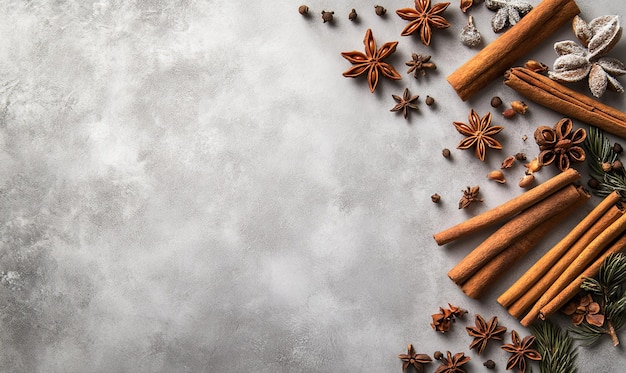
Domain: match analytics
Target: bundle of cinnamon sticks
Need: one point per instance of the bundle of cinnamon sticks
(556, 278)
(529, 217)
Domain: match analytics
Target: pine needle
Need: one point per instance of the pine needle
(556, 347)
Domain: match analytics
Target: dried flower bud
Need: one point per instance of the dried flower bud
(438, 355)
(496, 176)
(519, 107)
(533, 166)
(520, 156)
(536, 66)
(327, 16)
(489, 364)
(527, 180)
(617, 148)
(429, 100)
(617, 165)
(380, 11)
(446, 153)
(435, 198)
(593, 183)
(496, 101)
(352, 16)
(508, 113)
(303, 9)
(508, 162)
(606, 167)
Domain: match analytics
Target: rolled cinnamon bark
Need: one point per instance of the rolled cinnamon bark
(493, 60)
(507, 209)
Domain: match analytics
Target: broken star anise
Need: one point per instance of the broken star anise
(445, 317)
(470, 195)
(371, 62)
(483, 332)
(423, 19)
(508, 12)
(478, 133)
(411, 358)
(576, 62)
(405, 103)
(418, 65)
(453, 364)
(521, 349)
(560, 145)
(585, 309)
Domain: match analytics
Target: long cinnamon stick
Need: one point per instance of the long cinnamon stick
(528, 279)
(507, 209)
(511, 231)
(556, 269)
(488, 275)
(555, 96)
(574, 287)
(577, 267)
(493, 60)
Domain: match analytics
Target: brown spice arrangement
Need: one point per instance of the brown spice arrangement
(423, 19)
(584, 309)
(560, 145)
(404, 103)
(553, 95)
(371, 62)
(413, 359)
(483, 332)
(493, 60)
(521, 349)
(478, 134)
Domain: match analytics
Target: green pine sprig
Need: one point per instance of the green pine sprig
(556, 347)
(601, 153)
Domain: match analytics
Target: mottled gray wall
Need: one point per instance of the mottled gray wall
(192, 185)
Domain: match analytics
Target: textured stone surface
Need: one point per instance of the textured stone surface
(192, 186)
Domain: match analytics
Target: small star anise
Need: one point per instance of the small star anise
(453, 364)
(445, 317)
(478, 133)
(371, 61)
(509, 12)
(405, 103)
(483, 332)
(560, 144)
(417, 360)
(423, 19)
(521, 349)
(418, 65)
(585, 309)
(470, 195)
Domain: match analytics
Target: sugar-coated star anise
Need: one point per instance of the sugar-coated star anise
(371, 62)
(560, 145)
(453, 364)
(479, 134)
(508, 12)
(585, 309)
(470, 195)
(419, 64)
(520, 350)
(416, 360)
(483, 332)
(405, 103)
(423, 19)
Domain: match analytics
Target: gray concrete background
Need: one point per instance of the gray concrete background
(192, 186)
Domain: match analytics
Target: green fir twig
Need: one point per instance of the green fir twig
(556, 347)
(601, 156)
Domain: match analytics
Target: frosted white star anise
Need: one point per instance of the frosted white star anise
(576, 62)
(508, 12)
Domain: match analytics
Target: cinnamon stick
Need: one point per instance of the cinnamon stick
(577, 267)
(553, 95)
(511, 231)
(574, 287)
(488, 275)
(556, 268)
(493, 60)
(507, 209)
(528, 279)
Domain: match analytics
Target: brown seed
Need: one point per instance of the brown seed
(593, 183)
(303, 9)
(520, 156)
(380, 10)
(617, 148)
(617, 165)
(489, 364)
(533, 166)
(446, 153)
(508, 113)
(496, 176)
(327, 16)
(496, 101)
(527, 180)
(606, 167)
(352, 16)
(524, 138)
(435, 198)
(536, 66)
(508, 162)
(429, 100)
(519, 107)
(438, 355)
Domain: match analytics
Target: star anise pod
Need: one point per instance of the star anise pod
(470, 195)
(466, 4)
(585, 309)
(405, 103)
(445, 317)
(423, 19)
(418, 65)
(521, 349)
(508, 12)
(576, 62)
(453, 364)
(371, 62)
(560, 144)
(479, 134)
(411, 358)
(483, 332)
